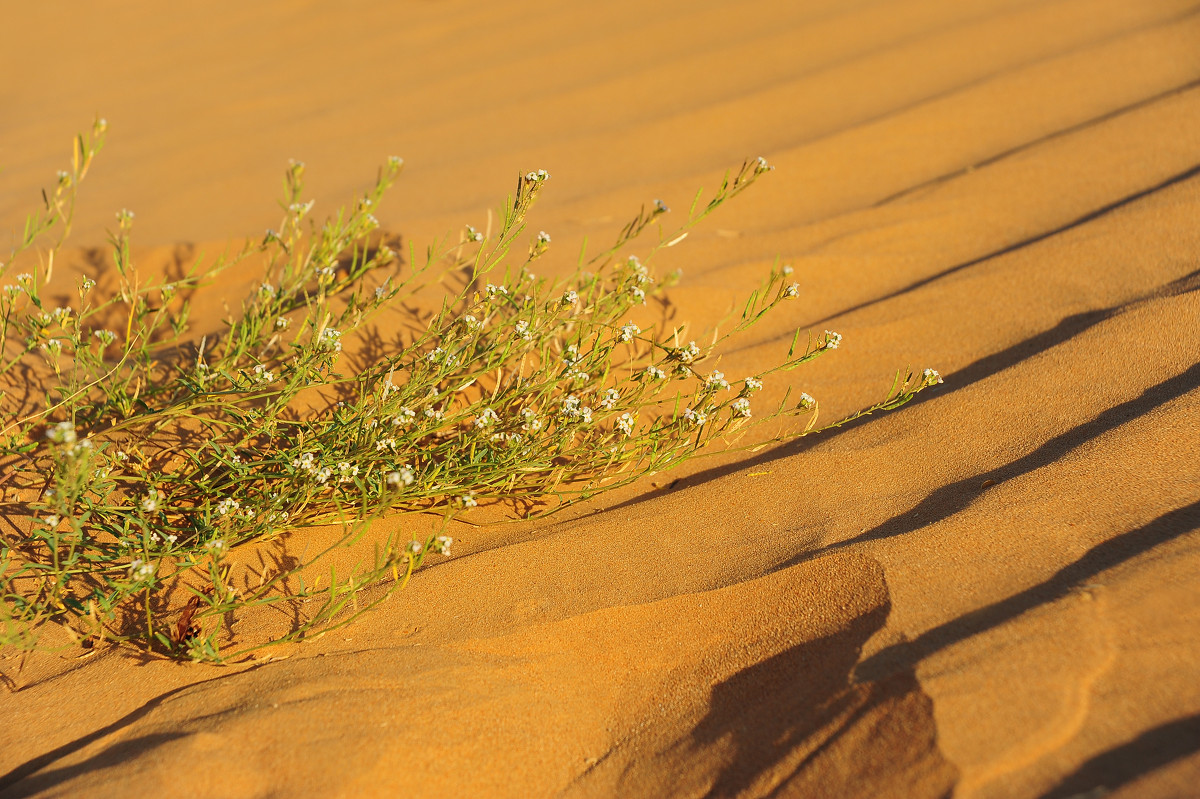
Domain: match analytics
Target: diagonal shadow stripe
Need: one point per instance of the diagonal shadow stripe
(1090, 216)
(36, 764)
(1151, 750)
(1099, 558)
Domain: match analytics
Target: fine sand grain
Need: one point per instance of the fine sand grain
(993, 592)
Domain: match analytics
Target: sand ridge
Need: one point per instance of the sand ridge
(990, 593)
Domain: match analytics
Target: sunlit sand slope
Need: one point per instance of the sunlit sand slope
(991, 593)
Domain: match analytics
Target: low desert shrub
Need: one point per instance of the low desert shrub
(137, 455)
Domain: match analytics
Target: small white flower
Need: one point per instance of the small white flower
(404, 417)
(473, 234)
(217, 547)
(441, 545)
(787, 269)
(610, 399)
(629, 330)
(694, 417)
(346, 471)
(570, 297)
(522, 329)
(52, 521)
(638, 294)
(62, 433)
(150, 502)
(625, 424)
(402, 476)
(538, 176)
(689, 353)
(761, 166)
(930, 377)
(654, 373)
(105, 337)
(435, 355)
(543, 238)
(832, 340)
(791, 291)
(330, 340)
(493, 290)
(751, 384)
(741, 406)
(140, 570)
(486, 417)
(385, 444)
(806, 400)
(532, 423)
(468, 500)
(323, 474)
(471, 322)
(412, 547)
(228, 506)
(267, 289)
(263, 375)
(716, 380)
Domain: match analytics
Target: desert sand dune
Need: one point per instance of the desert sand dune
(992, 592)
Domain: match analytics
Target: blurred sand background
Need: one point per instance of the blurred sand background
(992, 592)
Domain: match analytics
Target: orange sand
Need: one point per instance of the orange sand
(990, 593)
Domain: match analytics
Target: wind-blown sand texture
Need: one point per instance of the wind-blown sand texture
(992, 592)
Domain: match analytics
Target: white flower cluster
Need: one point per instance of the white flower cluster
(689, 353)
(716, 380)
(832, 340)
(330, 340)
(751, 384)
(473, 234)
(570, 297)
(493, 290)
(217, 547)
(574, 409)
(694, 417)
(931, 377)
(654, 373)
(227, 506)
(532, 423)
(150, 501)
(105, 337)
(404, 476)
(791, 291)
(140, 570)
(62, 433)
(610, 399)
(441, 545)
(538, 177)
(625, 424)
(543, 238)
(522, 329)
(628, 331)
(740, 407)
(486, 418)
(806, 400)
(263, 375)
